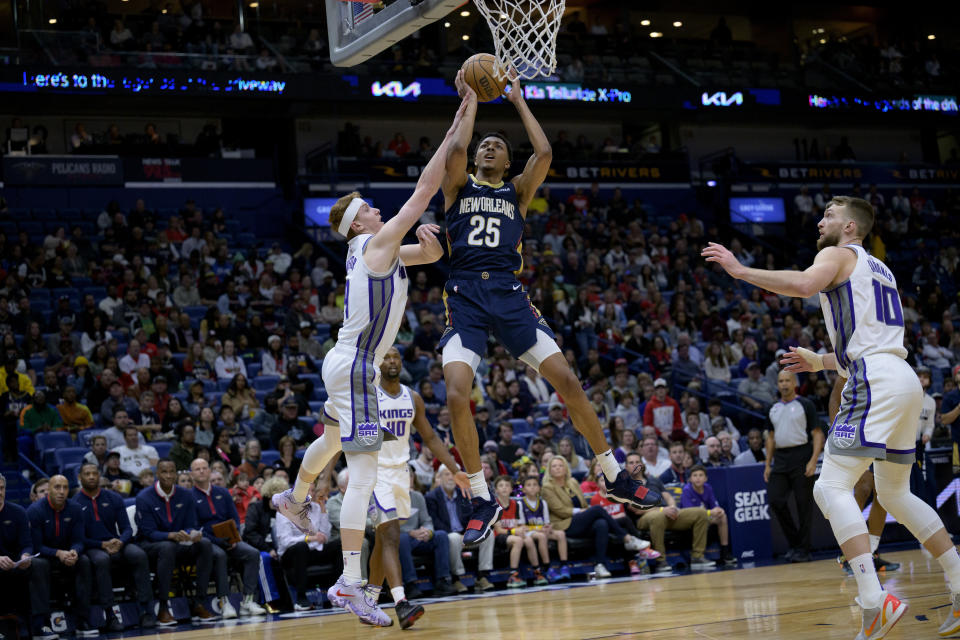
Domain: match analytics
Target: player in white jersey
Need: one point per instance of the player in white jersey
(881, 403)
(401, 410)
(376, 297)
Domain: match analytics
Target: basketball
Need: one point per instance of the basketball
(478, 72)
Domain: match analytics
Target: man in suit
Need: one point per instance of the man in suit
(450, 511)
(57, 528)
(107, 541)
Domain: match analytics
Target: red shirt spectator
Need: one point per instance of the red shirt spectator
(399, 145)
(662, 412)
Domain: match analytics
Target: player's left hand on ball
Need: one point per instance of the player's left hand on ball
(715, 252)
(464, 483)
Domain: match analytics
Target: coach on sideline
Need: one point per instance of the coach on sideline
(106, 538)
(793, 446)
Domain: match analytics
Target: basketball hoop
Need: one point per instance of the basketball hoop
(524, 35)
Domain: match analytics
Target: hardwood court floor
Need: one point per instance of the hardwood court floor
(790, 602)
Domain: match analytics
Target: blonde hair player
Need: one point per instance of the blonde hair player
(374, 303)
(485, 219)
(880, 408)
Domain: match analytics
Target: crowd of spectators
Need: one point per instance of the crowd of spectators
(186, 360)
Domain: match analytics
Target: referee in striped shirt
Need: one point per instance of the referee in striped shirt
(794, 443)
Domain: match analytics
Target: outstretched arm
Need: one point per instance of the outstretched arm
(799, 284)
(456, 153)
(535, 172)
(431, 440)
(383, 248)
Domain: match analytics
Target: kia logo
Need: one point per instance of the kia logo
(395, 89)
(721, 99)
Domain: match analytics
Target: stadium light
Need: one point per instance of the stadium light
(464, 14)
(656, 34)
(931, 37)
(466, 37)
(677, 24)
(53, 21)
(645, 23)
(711, 183)
(446, 24)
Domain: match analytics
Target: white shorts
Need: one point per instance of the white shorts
(879, 411)
(543, 348)
(350, 380)
(392, 492)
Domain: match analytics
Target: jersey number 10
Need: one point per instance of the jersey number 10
(492, 236)
(887, 301)
(397, 427)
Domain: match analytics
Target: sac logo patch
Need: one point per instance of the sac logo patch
(844, 435)
(367, 433)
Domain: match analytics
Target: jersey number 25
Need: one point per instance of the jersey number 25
(492, 236)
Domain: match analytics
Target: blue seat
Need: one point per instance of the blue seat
(163, 448)
(222, 385)
(320, 394)
(38, 364)
(265, 383)
(315, 406)
(209, 386)
(85, 437)
(253, 369)
(523, 440)
(64, 456)
(520, 426)
(261, 396)
(31, 227)
(53, 440)
(71, 473)
(269, 456)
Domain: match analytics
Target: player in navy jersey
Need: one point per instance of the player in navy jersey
(485, 218)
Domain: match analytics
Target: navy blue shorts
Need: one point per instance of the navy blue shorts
(498, 305)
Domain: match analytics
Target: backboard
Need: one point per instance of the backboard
(356, 32)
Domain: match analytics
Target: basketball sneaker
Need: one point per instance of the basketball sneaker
(296, 512)
(408, 613)
(884, 565)
(515, 581)
(538, 578)
(483, 515)
(951, 625)
(879, 620)
(355, 599)
(629, 491)
(379, 617)
(554, 574)
(564, 572)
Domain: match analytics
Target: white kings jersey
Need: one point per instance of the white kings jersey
(373, 304)
(396, 416)
(863, 314)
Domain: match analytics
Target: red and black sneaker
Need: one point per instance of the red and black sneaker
(483, 515)
(629, 491)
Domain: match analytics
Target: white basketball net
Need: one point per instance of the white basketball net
(524, 34)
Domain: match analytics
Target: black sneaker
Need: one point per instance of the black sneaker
(147, 620)
(884, 565)
(408, 613)
(113, 625)
(801, 555)
(483, 515)
(727, 559)
(84, 630)
(443, 588)
(629, 491)
(412, 591)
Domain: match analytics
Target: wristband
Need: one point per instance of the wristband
(815, 360)
(306, 538)
(661, 509)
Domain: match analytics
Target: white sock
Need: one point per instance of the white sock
(874, 543)
(871, 594)
(351, 567)
(398, 594)
(950, 561)
(610, 466)
(478, 485)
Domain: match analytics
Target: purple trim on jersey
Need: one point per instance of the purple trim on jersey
(380, 506)
(346, 301)
(387, 303)
(353, 395)
(866, 410)
(842, 332)
(370, 298)
(332, 419)
(853, 382)
(853, 330)
(902, 451)
(838, 353)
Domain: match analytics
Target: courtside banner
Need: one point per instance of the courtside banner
(864, 173)
(654, 170)
(742, 493)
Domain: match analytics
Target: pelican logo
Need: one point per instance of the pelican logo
(395, 89)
